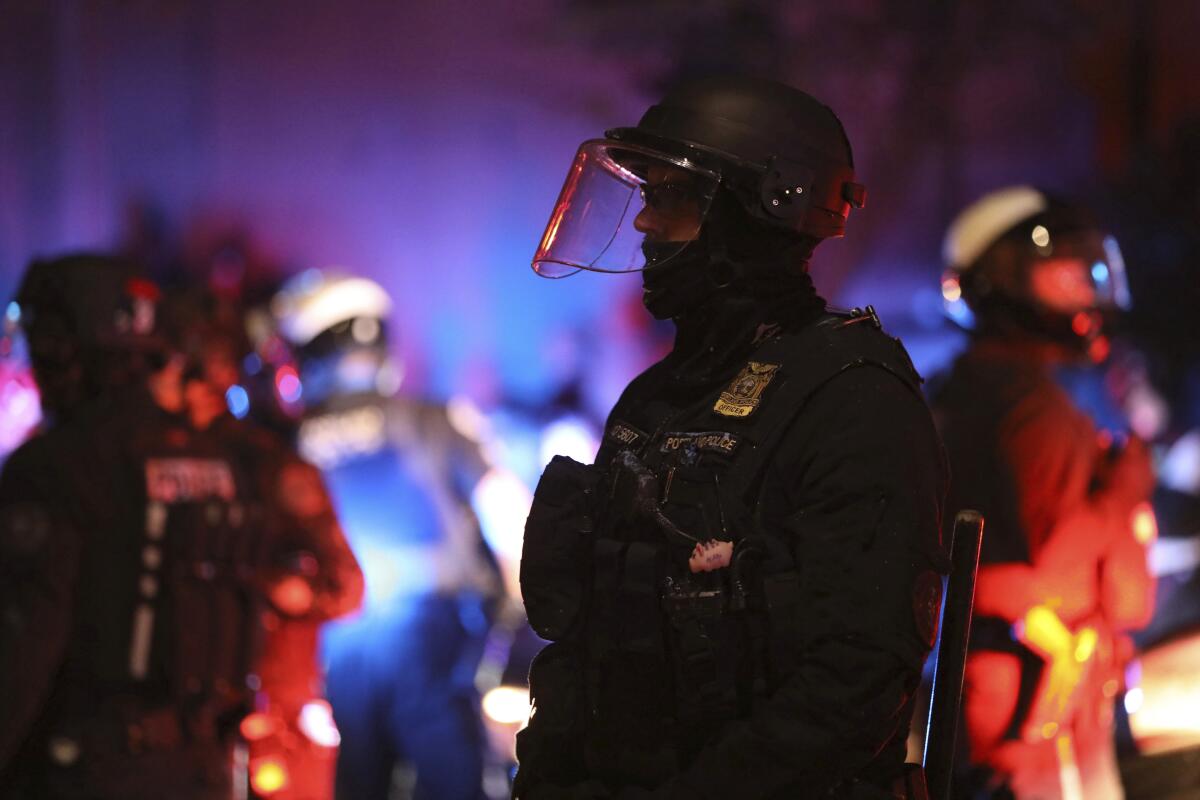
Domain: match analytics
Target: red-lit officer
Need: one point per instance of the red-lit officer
(1063, 567)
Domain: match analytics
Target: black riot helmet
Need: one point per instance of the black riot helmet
(782, 154)
(90, 321)
(1022, 261)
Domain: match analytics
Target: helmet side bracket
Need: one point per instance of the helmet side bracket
(812, 199)
(786, 189)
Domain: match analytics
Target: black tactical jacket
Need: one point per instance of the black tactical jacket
(132, 552)
(812, 448)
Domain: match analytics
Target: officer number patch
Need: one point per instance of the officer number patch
(743, 396)
(625, 434)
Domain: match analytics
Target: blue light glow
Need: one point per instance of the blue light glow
(960, 313)
(13, 312)
(1100, 273)
(238, 401)
(252, 364)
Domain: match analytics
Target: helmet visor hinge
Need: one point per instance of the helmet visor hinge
(786, 188)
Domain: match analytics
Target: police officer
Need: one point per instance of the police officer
(401, 675)
(742, 589)
(312, 577)
(133, 548)
(1063, 565)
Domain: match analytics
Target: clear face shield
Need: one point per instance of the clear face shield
(624, 208)
(1077, 271)
(1072, 272)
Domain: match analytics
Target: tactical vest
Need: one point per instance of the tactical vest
(168, 614)
(671, 655)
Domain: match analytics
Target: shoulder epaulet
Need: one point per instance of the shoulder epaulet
(841, 340)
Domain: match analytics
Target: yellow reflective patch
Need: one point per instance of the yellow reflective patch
(744, 394)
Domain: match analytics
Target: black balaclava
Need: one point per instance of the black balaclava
(738, 275)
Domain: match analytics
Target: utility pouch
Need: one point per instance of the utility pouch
(550, 747)
(706, 644)
(558, 541)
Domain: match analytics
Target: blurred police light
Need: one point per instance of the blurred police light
(238, 401)
(268, 776)
(20, 408)
(1144, 524)
(1163, 699)
(953, 304)
(568, 436)
(316, 722)
(257, 726)
(287, 383)
(507, 705)
(1134, 699)
(502, 503)
(1174, 556)
(1180, 468)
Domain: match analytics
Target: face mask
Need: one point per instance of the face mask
(679, 284)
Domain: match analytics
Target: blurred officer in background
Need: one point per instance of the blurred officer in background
(130, 548)
(742, 590)
(400, 675)
(1063, 567)
(314, 576)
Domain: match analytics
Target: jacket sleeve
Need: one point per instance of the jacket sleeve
(1126, 584)
(1079, 524)
(864, 473)
(39, 563)
(311, 524)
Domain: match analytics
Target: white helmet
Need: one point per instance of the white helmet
(1020, 258)
(317, 300)
(336, 326)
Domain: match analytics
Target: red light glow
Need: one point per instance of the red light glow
(1099, 349)
(1081, 323)
(257, 726)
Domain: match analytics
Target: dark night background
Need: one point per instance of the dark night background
(423, 144)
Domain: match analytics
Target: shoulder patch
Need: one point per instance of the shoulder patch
(744, 394)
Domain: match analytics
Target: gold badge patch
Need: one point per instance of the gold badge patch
(742, 396)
